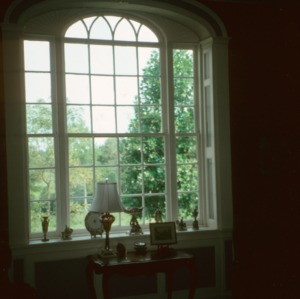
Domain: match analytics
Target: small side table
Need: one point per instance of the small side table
(135, 264)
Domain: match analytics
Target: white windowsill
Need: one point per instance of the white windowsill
(81, 246)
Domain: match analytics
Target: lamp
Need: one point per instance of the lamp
(106, 200)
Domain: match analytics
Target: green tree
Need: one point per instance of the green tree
(148, 114)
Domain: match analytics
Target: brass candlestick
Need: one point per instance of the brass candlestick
(45, 224)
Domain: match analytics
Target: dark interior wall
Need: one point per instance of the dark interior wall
(264, 94)
(264, 75)
(3, 183)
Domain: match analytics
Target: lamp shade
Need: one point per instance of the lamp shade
(106, 199)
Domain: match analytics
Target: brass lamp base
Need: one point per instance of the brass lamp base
(106, 253)
(107, 220)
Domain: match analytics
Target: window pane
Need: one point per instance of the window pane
(127, 118)
(154, 177)
(146, 35)
(77, 89)
(101, 30)
(39, 119)
(77, 30)
(150, 90)
(151, 205)
(187, 202)
(154, 149)
(126, 90)
(130, 150)
(149, 61)
(76, 58)
(131, 180)
(186, 150)
(124, 31)
(183, 63)
(106, 151)
(103, 90)
(78, 211)
(42, 184)
(37, 55)
(101, 59)
(80, 151)
(80, 181)
(184, 119)
(106, 173)
(38, 87)
(126, 60)
(41, 152)
(183, 91)
(78, 119)
(104, 119)
(187, 177)
(151, 119)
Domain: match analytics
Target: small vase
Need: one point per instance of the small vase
(45, 224)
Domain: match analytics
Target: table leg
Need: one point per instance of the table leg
(169, 279)
(105, 286)
(193, 278)
(90, 280)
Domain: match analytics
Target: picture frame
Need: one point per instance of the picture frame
(163, 233)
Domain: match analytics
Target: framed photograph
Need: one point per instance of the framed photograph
(163, 233)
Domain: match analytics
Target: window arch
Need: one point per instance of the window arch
(175, 163)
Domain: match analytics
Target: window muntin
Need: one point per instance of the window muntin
(97, 151)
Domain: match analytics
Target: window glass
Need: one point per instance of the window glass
(40, 139)
(77, 30)
(37, 56)
(124, 112)
(125, 31)
(76, 58)
(101, 59)
(101, 30)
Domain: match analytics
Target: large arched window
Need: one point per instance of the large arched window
(121, 94)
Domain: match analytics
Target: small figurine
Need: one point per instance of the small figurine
(195, 222)
(135, 227)
(158, 215)
(66, 234)
(181, 226)
(121, 251)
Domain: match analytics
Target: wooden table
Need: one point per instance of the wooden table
(141, 264)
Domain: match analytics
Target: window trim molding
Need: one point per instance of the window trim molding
(12, 36)
(20, 11)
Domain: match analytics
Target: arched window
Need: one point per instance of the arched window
(120, 94)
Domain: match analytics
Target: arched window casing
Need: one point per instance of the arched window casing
(133, 92)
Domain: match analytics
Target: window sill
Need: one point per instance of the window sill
(81, 246)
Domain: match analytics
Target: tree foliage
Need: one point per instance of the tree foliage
(139, 157)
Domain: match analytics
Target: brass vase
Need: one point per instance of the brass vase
(45, 224)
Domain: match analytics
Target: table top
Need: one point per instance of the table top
(148, 257)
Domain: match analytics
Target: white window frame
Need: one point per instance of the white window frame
(216, 42)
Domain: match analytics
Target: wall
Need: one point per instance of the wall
(264, 93)
(264, 75)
